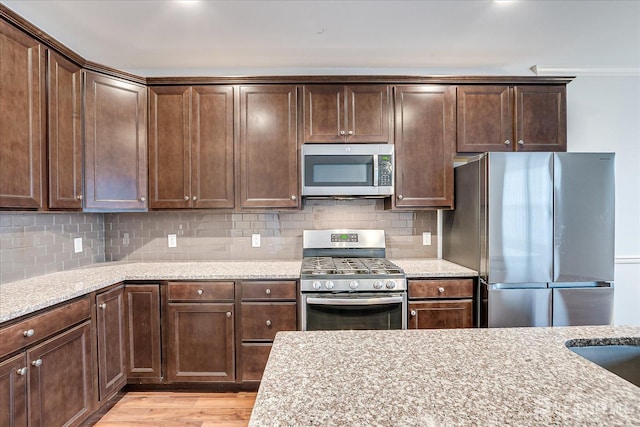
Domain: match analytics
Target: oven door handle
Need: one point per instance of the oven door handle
(354, 301)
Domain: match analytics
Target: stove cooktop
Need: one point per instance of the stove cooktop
(353, 266)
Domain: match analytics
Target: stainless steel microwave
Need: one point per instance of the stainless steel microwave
(347, 170)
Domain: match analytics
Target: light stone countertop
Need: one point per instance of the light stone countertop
(27, 296)
(483, 377)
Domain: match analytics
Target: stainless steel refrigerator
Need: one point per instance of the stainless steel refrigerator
(539, 229)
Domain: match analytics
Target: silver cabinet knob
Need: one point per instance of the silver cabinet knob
(440, 290)
(268, 322)
(400, 196)
(293, 197)
(413, 313)
(507, 142)
(194, 198)
(142, 199)
(342, 132)
(350, 132)
(22, 371)
(37, 363)
(268, 291)
(186, 198)
(521, 142)
(200, 291)
(228, 314)
(29, 333)
(79, 197)
(103, 305)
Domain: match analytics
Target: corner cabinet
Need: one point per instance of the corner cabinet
(351, 114)
(191, 147)
(425, 137)
(143, 332)
(440, 303)
(22, 119)
(511, 118)
(268, 145)
(115, 135)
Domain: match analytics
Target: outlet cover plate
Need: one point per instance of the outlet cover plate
(77, 245)
(172, 241)
(255, 240)
(426, 238)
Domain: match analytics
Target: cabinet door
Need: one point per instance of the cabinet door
(367, 113)
(424, 142)
(111, 344)
(268, 147)
(324, 114)
(142, 323)
(64, 133)
(13, 391)
(254, 360)
(485, 119)
(169, 147)
(22, 106)
(200, 342)
(541, 118)
(441, 314)
(115, 144)
(212, 181)
(60, 378)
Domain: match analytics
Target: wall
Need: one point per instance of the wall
(32, 244)
(208, 235)
(604, 115)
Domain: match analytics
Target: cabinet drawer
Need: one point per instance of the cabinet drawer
(254, 360)
(261, 321)
(448, 314)
(26, 332)
(268, 290)
(451, 288)
(200, 291)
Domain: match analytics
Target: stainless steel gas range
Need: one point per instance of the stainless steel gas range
(347, 283)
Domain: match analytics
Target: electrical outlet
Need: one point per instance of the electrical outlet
(426, 238)
(77, 244)
(255, 240)
(125, 239)
(172, 241)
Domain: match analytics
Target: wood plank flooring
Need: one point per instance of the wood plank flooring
(173, 409)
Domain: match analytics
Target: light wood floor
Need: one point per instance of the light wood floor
(168, 409)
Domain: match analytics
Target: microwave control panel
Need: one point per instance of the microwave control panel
(385, 170)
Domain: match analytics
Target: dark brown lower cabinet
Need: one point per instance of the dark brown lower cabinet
(441, 314)
(254, 360)
(142, 323)
(60, 378)
(13, 391)
(200, 342)
(112, 374)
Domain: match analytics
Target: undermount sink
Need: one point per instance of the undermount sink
(618, 355)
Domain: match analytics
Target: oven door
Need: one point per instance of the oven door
(381, 311)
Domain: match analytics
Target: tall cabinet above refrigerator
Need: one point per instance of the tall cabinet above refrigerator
(539, 229)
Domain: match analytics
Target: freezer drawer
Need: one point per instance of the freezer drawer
(518, 307)
(582, 306)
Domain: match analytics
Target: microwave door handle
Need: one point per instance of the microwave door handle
(354, 301)
(375, 170)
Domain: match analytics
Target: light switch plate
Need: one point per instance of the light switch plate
(255, 240)
(426, 238)
(172, 241)
(125, 239)
(77, 244)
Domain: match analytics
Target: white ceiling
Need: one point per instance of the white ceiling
(172, 37)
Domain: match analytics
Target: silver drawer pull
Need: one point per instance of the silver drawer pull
(22, 371)
(413, 313)
(37, 363)
(200, 291)
(440, 289)
(268, 322)
(228, 314)
(29, 333)
(268, 291)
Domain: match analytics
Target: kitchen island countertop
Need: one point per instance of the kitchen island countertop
(27, 296)
(486, 377)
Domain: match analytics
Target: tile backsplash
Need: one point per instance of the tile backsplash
(32, 244)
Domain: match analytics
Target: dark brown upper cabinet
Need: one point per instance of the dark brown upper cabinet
(268, 160)
(115, 134)
(424, 145)
(64, 133)
(512, 118)
(22, 120)
(351, 114)
(191, 147)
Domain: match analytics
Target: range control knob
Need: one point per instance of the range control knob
(354, 284)
(390, 284)
(316, 284)
(329, 284)
(378, 284)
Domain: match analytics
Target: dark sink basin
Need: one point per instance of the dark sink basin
(620, 356)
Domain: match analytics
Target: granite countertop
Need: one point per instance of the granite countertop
(488, 377)
(27, 296)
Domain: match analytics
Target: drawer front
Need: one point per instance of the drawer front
(269, 290)
(254, 360)
(26, 332)
(200, 291)
(441, 314)
(450, 288)
(261, 321)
